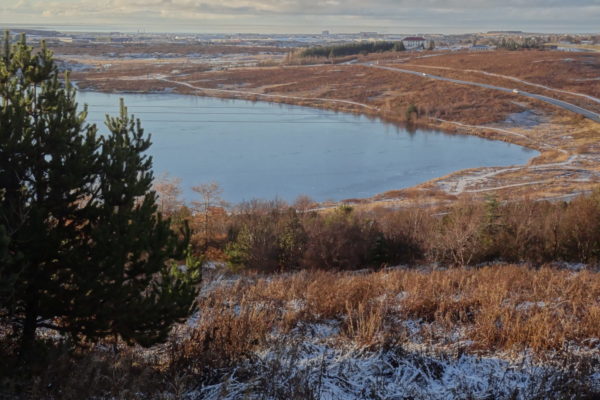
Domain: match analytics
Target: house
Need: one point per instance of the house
(414, 42)
(480, 47)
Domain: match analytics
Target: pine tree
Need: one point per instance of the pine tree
(410, 110)
(85, 251)
(291, 242)
(399, 46)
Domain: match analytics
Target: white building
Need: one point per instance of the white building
(414, 42)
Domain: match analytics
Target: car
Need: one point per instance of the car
(516, 91)
(424, 74)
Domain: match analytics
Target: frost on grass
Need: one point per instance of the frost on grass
(474, 334)
(315, 367)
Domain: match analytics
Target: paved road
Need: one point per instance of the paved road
(512, 78)
(559, 103)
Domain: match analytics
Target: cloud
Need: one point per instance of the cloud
(469, 15)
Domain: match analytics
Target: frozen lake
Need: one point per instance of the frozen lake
(265, 150)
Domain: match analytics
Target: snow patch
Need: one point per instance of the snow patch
(324, 372)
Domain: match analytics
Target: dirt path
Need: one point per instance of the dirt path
(504, 131)
(278, 96)
(573, 167)
(512, 78)
(463, 182)
(459, 184)
(556, 102)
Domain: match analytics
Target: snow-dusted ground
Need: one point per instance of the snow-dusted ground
(315, 367)
(317, 361)
(514, 79)
(66, 65)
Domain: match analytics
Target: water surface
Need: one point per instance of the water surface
(265, 150)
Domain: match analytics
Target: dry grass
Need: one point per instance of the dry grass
(502, 307)
(181, 49)
(388, 91)
(441, 105)
(63, 372)
(591, 88)
(495, 311)
(560, 70)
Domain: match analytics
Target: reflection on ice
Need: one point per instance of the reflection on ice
(266, 150)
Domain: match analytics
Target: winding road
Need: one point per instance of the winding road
(559, 103)
(265, 95)
(512, 78)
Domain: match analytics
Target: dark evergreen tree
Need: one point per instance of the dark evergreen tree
(410, 110)
(399, 46)
(291, 241)
(348, 49)
(82, 246)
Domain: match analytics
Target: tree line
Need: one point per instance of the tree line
(523, 44)
(273, 236)
(350, 49)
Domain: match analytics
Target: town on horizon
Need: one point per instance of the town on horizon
(457, 41)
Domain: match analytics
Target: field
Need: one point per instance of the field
(552, 73)
(580, 47)
(112, 50)
(568, 143)
(502, 332)
(469, 286)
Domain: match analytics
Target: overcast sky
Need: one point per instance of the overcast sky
(300, 16)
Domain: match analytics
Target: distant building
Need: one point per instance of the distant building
(505, 32)
(414, 42)
(120, 39)
(368, 34)
(480, 47)
(325, 33)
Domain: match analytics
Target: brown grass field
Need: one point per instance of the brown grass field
(497, 308)
(451, 324)
(519, 333)
(570, 71)
(181, 49)
(568, 143)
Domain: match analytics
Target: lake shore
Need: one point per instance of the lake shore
(568, 163)
(266, 150)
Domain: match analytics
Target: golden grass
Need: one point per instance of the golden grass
(388, 91)
(492, 311)
(390, 94)
(501, 307)
(561, 70)
(592, 88)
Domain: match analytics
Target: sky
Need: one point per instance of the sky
(306, 16)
